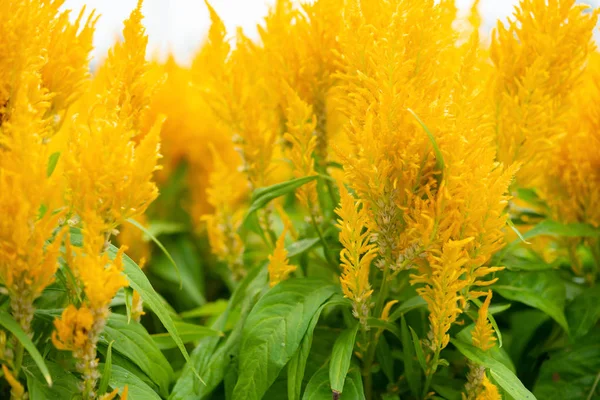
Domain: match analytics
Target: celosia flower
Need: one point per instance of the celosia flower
(357, 254)
(225, 194)
(120, 186)
(483, 333)
(279, 267)
(17, 391)
(539, 56)
(489, 392)
(73, 329)
(66, 73)
(301, 134)
(573, 193)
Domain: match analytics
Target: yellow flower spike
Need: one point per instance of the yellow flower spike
(539, 55)
(279, 267)
(489, 392)
(17, 390)
(385, 314)
(357, 254)
(73, 329)
(301, 125)
(137, 306)
(66, 73)
(227, 191)
(573, 193)
(483, 333)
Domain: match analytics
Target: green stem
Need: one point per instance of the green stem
(18, 359)
(431, 372)
(372, 345)
(330, 260)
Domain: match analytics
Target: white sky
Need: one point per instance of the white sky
(180, 26)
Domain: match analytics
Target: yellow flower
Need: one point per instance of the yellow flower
(73, 328)
(357, 254)
(489, 392)
(442, 290)
(225, 193)
(27, 263)
(483, 333)
(17, 390)
(573, 193)
(301, 125)
(66, 72)
(101, 276)
(279, 267)
(120, 186)
(538, 56)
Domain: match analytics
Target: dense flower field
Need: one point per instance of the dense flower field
(372, 201)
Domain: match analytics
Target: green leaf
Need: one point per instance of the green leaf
(133, 341)
(103, 385)
(206, 310)
(262, 196)
(556, 229)
(296, 367)
(543, 290)
(212, 356)
(274, 330)
(438, 154)
(52, 161)
(301, 246)
(515, 230)
(64, 384)
(523, 325)
(139, 282)
(411, 304)
(570, 373)
(187, 332)
(418, 349)
(318, 386)
(383, 354)
(381, 324)
(7, 321)
(340, 358)
(503, 376)
(160, 246)
(137, 389)
(413, 376)
(584, 312)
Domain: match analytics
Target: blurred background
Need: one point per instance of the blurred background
(180, 26)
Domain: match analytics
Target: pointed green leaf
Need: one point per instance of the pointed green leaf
(103, 385)
(343, 348)
(418, 349)
(408, 354)
(274, 330)
(160, 246)
(543, 290)
(187, 332)
(52, 161)
(318, 386)
(262, 196)
(411, 304)
(7, 321)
